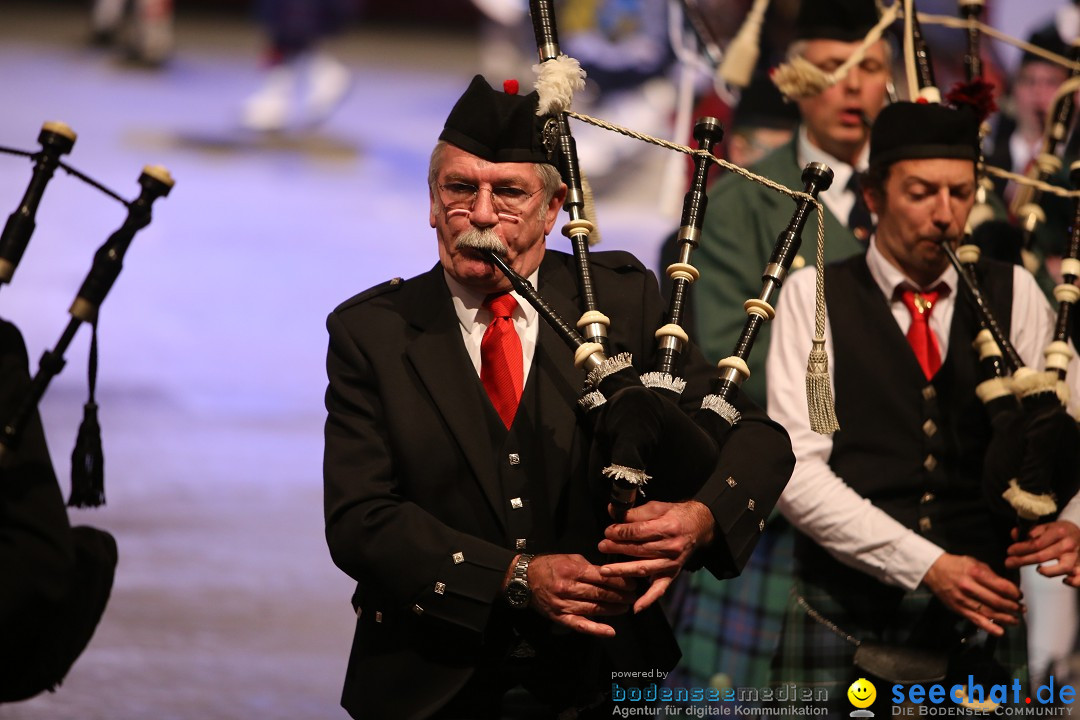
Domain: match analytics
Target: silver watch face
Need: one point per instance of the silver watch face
(517, 594)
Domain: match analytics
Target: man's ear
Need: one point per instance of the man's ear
(873, 199)
(554, 205)
(431, 207)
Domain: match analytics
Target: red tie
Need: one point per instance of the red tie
(501, 369)
(922, 338)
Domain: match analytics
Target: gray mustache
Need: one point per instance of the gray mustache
(480, 239)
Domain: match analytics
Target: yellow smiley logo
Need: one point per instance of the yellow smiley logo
(862, 693)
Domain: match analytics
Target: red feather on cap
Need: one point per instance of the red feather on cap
(977, 95)
(510, 87)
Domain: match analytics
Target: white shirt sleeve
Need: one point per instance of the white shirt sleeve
(1032, 329)
(816, 500)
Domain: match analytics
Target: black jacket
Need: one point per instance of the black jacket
(413, 501)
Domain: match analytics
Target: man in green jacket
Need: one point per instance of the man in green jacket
(745, 218)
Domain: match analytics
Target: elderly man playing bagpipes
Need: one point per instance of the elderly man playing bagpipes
(903, 569)
(458, 491)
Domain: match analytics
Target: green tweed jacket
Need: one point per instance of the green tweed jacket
(743, 221)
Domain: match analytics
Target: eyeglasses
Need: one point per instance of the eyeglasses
(505, 198)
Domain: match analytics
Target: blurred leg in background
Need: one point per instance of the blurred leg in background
(303, 84)
(623, 47)
(143, 29)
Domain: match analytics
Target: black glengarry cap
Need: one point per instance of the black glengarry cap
(918, 131)
(496, 126)
(1045, 38)
(762, 106)
(843, 20)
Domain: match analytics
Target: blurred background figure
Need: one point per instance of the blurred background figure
(1019, 134)
(143, 29)
(506, 38)
(1067, 22)
(623, 46)
(303, 84)
(761, 122)
(1018, 142)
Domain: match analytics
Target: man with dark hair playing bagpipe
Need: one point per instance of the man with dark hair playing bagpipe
(903, 570)
(457, 493)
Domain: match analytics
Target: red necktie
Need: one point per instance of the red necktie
(501, 369)
(922, 338)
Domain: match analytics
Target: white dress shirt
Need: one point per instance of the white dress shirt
(819, 502)
(475, 318)
(1022, 152)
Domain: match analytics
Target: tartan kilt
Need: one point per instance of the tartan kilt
(728, 630)
(812, 655)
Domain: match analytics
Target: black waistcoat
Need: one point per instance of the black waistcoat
(528, 473)
(522, 466)
(913, 448)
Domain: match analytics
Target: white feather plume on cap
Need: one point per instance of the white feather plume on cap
(741, 55)
(556, 82)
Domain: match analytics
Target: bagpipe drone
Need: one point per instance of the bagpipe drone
(639, 428)
(57, 139)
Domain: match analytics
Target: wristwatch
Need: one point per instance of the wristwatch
(517, 590)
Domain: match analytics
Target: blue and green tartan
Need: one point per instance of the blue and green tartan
(815, 656)
(728, 630)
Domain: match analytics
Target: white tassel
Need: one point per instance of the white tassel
(819, 398)
(609, 367)
(591, 400)
(741, 55)
(721, 407)
(663, 381)
(800, 78)
(630, 475)
(556, 82)
(1032, 382)
(1027, 504)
